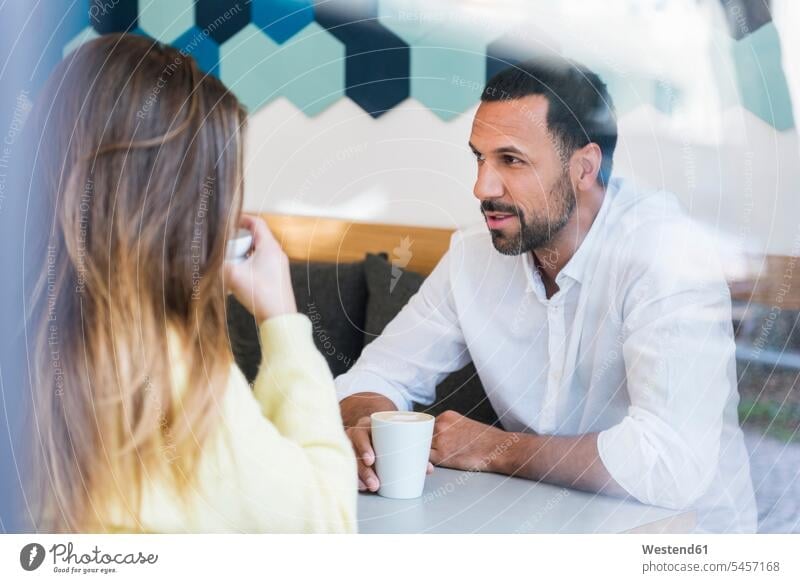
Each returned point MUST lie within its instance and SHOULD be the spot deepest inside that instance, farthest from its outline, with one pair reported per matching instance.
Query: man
(601, 330)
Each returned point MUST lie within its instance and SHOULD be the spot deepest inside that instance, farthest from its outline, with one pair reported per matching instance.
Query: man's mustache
(499, 207)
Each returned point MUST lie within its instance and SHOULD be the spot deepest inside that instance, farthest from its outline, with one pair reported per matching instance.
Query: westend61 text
(675, 550)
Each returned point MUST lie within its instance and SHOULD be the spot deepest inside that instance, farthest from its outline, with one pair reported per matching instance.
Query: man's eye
(511, 160)
(478, 157)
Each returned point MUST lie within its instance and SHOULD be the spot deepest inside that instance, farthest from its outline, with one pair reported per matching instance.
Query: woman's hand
(261, 282)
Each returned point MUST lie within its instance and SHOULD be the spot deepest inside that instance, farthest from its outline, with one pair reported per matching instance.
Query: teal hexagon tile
(411, 20)
(448, 79)
(83, 36)
(55, 29)
(629, 91)
(312, 70)
(201, 47)
(723, 68)
(282, 19)
(666, 96)
(762, 83)
(249, 65)
(71, 20)
(166, 21)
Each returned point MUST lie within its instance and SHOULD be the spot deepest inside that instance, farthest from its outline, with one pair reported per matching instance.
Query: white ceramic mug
(402, 444)
(237, 247)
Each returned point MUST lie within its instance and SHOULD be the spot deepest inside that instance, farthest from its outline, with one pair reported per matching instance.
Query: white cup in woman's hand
(238, 247)
(261, 282)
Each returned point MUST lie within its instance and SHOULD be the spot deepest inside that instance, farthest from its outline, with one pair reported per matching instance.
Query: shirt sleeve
(679, 358)
(282, 462)
(417, 349)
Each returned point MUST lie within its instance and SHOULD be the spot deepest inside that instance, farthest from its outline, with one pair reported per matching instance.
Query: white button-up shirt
(636, 345)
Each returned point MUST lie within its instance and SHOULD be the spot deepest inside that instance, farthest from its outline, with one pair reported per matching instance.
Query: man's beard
(538, 231)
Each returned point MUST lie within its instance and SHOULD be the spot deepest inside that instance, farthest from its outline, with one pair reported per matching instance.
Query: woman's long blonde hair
(139, 158)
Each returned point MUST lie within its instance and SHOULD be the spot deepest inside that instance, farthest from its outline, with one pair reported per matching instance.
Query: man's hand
(361, 438)
(572, 461)
(464, 444)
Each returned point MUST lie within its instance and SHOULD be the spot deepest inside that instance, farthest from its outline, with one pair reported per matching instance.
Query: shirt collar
(575, 269)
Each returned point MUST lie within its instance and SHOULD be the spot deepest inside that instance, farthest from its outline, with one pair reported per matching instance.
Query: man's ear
(586, 165)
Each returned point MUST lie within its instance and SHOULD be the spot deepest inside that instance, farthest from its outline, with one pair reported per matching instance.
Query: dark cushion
(387, 293)
(333, 296)
(389, 289)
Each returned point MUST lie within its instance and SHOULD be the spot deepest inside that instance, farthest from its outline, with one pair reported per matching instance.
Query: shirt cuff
(613, 452)
(354, 382)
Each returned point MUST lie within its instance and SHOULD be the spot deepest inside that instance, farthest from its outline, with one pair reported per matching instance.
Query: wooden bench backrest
(341, 241)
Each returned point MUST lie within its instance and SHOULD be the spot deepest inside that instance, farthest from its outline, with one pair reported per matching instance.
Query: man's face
(523, 184)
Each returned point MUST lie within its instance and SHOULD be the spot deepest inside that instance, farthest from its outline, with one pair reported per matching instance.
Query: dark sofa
(349, 305)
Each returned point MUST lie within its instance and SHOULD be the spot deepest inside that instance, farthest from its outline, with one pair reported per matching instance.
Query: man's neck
(552, 258)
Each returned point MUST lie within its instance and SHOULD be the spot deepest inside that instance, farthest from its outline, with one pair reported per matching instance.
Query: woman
(142, 420)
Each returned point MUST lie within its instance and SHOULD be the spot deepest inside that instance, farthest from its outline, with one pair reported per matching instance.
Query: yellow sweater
(279, 460)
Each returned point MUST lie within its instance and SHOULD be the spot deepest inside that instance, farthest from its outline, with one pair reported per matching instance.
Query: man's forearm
(361, 405)
(572, 461)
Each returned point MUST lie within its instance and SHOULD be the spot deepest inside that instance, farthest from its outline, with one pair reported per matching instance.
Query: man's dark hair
(579, 110)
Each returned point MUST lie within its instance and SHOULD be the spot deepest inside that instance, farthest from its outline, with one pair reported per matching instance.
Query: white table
(465, 502)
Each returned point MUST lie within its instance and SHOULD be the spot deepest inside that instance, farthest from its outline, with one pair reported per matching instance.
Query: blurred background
(362, 110)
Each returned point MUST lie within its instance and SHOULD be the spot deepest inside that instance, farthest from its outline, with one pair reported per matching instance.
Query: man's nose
(489, 183)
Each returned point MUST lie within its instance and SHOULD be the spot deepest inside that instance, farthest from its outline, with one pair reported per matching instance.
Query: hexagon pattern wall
(108, 17)
(166, 21)
(762, 85)
(377, 53)
(447, 66)
(201, 46)
(280, 19)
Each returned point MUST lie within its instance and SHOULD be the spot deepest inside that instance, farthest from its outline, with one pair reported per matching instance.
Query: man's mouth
(498, 220)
